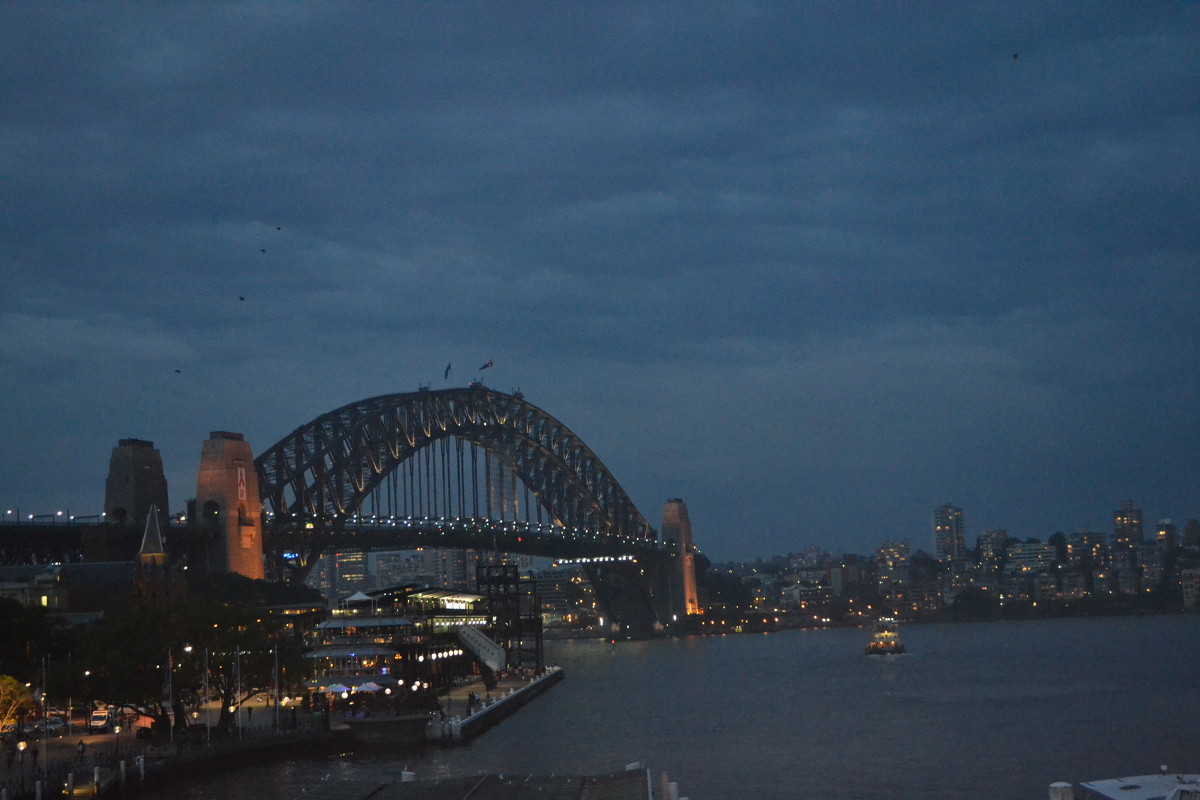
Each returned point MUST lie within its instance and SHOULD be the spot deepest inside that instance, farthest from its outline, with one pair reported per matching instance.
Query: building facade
(949, 534)
(1127, 525)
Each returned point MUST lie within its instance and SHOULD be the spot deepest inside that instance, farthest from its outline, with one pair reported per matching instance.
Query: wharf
(456, 721)
(509, 695)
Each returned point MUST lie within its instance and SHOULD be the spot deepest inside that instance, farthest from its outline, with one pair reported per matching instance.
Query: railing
(457, 730)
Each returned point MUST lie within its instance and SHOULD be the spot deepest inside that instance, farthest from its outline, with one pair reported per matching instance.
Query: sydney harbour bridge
(465, 468)
(460, 468)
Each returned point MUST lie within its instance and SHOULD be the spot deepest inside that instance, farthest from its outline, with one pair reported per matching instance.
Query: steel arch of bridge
(328, 467)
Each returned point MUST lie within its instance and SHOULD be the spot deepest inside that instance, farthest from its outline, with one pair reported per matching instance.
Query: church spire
(152, 552)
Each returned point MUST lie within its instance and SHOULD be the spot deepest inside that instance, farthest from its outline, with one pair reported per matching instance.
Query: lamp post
(275, 686)
(207, 703)
(187, 652)
(45, 701)
(13, 512)
(169, 698)
(238, 692)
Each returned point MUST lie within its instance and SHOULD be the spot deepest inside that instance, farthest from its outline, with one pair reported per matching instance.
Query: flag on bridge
(485, 366)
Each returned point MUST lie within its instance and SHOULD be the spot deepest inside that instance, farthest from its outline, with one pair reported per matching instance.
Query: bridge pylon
(678, 528)
(228, 505)
(135, 484)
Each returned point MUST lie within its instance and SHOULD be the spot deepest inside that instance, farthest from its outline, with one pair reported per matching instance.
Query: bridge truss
(459, 467)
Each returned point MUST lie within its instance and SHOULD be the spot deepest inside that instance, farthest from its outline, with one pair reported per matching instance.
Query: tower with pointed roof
(154, 579)
(152, 552)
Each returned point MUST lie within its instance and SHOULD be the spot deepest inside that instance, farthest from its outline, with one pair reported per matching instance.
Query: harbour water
(982, 711)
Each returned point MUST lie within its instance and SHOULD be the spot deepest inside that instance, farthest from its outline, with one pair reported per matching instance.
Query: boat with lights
(885, 639)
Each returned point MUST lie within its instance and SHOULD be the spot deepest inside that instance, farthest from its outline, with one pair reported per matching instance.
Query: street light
(13, 512)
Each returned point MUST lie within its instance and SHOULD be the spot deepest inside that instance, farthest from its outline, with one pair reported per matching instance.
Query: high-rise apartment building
(949, 535)
(1191, 533)
(1165, 534)
(1030, 556)
(989, 547)
(1087, 546)
(1127, 525)
(891, 561)
(349, 572)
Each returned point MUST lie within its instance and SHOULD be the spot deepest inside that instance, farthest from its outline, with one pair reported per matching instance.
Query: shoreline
(759, 624)
(160, 768)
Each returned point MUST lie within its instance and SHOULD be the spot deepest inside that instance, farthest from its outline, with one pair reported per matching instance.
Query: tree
(973, 603)
(128, 656)
(15, 699)
(22, 642)
(1059, 540)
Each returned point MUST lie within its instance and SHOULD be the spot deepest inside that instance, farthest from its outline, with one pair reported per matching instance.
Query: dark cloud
(815, 268)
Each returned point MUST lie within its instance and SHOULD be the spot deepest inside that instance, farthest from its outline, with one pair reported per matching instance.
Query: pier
(509, 695)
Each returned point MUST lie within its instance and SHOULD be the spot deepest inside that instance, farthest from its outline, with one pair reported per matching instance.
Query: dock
(508, 696)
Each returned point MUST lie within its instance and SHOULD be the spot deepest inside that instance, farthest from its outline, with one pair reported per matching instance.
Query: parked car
(55, 726)
(99, 720)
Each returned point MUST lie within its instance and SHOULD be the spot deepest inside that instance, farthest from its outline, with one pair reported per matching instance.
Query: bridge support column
(228, 504)
(677, 527)
(135, 484)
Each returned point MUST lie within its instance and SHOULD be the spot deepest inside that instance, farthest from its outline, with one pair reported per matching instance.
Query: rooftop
(632, 784)
(1163, 786)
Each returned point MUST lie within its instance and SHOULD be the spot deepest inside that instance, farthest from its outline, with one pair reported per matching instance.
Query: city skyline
(815, 269)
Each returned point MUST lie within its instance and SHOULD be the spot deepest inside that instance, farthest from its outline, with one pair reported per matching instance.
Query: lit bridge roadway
(289, 541)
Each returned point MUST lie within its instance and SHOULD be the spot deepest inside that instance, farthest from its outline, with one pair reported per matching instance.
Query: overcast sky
(815, 268)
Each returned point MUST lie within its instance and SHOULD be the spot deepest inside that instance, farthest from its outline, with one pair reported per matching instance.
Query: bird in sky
(488, 364)
(242, 297)
(178, 372)
(263, 250)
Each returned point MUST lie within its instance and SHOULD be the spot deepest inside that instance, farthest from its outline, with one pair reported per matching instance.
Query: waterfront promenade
(468, 714)
(106, 760)
(262, 731)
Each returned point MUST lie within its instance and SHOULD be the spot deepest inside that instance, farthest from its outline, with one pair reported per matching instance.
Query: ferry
(885, 639)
